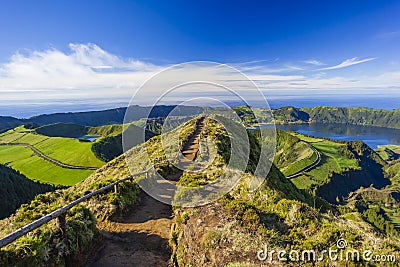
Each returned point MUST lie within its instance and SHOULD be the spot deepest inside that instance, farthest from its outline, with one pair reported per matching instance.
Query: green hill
(62, 130)
(389, 152)
(325, 114)
(112, 116)
(393, 172)
(360, 116)
(110, 147)
(74, 130)
(292, 154)
(369, 172)
(290, 115)
(228, 232)
(344, 166)
(7, 123)
(16, 189)
(15, 152)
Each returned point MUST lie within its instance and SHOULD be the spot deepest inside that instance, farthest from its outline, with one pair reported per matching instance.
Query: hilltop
(283, 115)
(228, 231)
(325, 114)
(345, 166)
(98, 118)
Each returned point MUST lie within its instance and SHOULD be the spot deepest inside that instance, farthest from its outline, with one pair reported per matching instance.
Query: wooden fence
(61, 212)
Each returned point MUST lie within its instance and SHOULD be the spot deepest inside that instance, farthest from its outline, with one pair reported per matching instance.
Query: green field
(66, 150)
(394, 216)
(388, 152)
(34, 167)
(70, 151)
(295, 157)
(331, 161)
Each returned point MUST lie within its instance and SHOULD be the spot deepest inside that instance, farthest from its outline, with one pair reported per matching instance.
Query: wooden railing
(61, 212)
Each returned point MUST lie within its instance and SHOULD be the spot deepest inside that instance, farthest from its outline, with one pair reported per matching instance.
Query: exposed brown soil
(191, 149)
(140, 238)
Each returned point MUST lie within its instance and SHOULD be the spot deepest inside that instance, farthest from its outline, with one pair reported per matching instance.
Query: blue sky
(67, 50)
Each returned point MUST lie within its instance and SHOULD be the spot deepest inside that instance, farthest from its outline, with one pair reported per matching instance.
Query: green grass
(70, 151)
(66, 150)
(38, 169)
(105, 130)
(331, 161)
(292, 154)
(31, 138)
(388, 152)
(7, 138)
(392, 147)
(394, 216)
(302, 182)
(302, 163)
(330, 149)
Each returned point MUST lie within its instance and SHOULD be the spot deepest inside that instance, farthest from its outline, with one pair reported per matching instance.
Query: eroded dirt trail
(192, 148)
(141, 237)
(138, 239)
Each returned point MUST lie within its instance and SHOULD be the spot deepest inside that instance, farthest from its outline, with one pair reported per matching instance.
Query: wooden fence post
(62, 222)
(116, 189)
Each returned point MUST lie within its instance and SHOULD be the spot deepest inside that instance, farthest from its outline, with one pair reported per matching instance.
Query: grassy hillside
(361, 116)
(74, 130)
(379, 207)
(7, 123)
(66, 150)
(62, 130)
(344, 166)
(389, 152)
(112, 116)
(46, 246)
(325, 114)
(292, 154)
(110, 147)
(38, 169)
(16, 189)
(333, 161)
(228, 232)
(393, 172)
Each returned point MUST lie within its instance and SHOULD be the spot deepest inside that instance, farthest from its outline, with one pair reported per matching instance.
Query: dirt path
(141, 237)
(191, 150)
(138, 239)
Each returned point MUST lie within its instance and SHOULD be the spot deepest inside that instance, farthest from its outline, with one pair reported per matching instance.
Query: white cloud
(314, 62)
(349, 62)
(89, 72)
